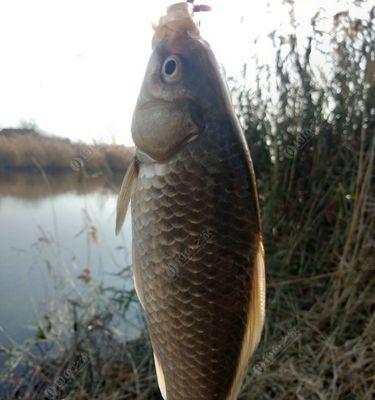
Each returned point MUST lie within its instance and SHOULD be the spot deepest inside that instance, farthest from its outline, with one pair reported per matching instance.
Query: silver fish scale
(196, 234)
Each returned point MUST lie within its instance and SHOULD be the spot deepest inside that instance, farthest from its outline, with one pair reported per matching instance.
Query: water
(58, 226)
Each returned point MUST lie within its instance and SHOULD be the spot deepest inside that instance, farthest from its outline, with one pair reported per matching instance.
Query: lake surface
(58, 225)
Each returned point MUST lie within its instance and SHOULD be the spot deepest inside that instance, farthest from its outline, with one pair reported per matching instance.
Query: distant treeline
(26, 149)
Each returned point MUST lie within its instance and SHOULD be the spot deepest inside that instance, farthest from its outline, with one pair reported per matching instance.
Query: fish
(197, 246)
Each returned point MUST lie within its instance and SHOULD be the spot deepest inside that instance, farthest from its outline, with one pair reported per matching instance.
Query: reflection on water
(60, 222)
(38, 186)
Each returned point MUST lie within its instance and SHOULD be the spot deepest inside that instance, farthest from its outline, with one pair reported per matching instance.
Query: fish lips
(161, 128)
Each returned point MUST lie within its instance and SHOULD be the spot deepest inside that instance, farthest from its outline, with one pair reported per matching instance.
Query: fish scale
(197, 316)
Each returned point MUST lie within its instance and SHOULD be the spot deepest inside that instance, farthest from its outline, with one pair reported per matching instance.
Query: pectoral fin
(125, 193)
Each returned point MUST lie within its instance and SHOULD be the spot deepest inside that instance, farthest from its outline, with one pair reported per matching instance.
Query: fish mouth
(147, 104)
(145, 158)
(161, 128)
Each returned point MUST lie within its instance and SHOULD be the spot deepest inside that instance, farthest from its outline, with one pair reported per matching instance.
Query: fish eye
(171, 69)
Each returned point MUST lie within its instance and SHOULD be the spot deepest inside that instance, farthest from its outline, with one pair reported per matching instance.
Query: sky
(75, 67)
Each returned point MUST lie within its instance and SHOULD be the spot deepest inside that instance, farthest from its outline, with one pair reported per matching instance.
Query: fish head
(182, 87)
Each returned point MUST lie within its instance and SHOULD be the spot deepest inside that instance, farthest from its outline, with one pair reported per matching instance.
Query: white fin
(161, 379)
(255, 320)
(137, 276)
(125, 194)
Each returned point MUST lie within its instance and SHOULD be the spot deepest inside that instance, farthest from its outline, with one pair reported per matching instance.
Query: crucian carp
(198, 257)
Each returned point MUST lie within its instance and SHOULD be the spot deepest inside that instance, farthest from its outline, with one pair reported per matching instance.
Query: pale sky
(74, 67)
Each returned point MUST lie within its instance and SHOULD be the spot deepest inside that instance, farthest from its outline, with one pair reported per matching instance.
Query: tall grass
(313, 145)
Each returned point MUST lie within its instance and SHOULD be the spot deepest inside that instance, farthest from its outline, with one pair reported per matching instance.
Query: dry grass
(25, 149)
(320, 330)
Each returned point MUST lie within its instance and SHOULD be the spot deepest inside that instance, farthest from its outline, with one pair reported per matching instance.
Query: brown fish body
(196, 235)
(197, 251)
